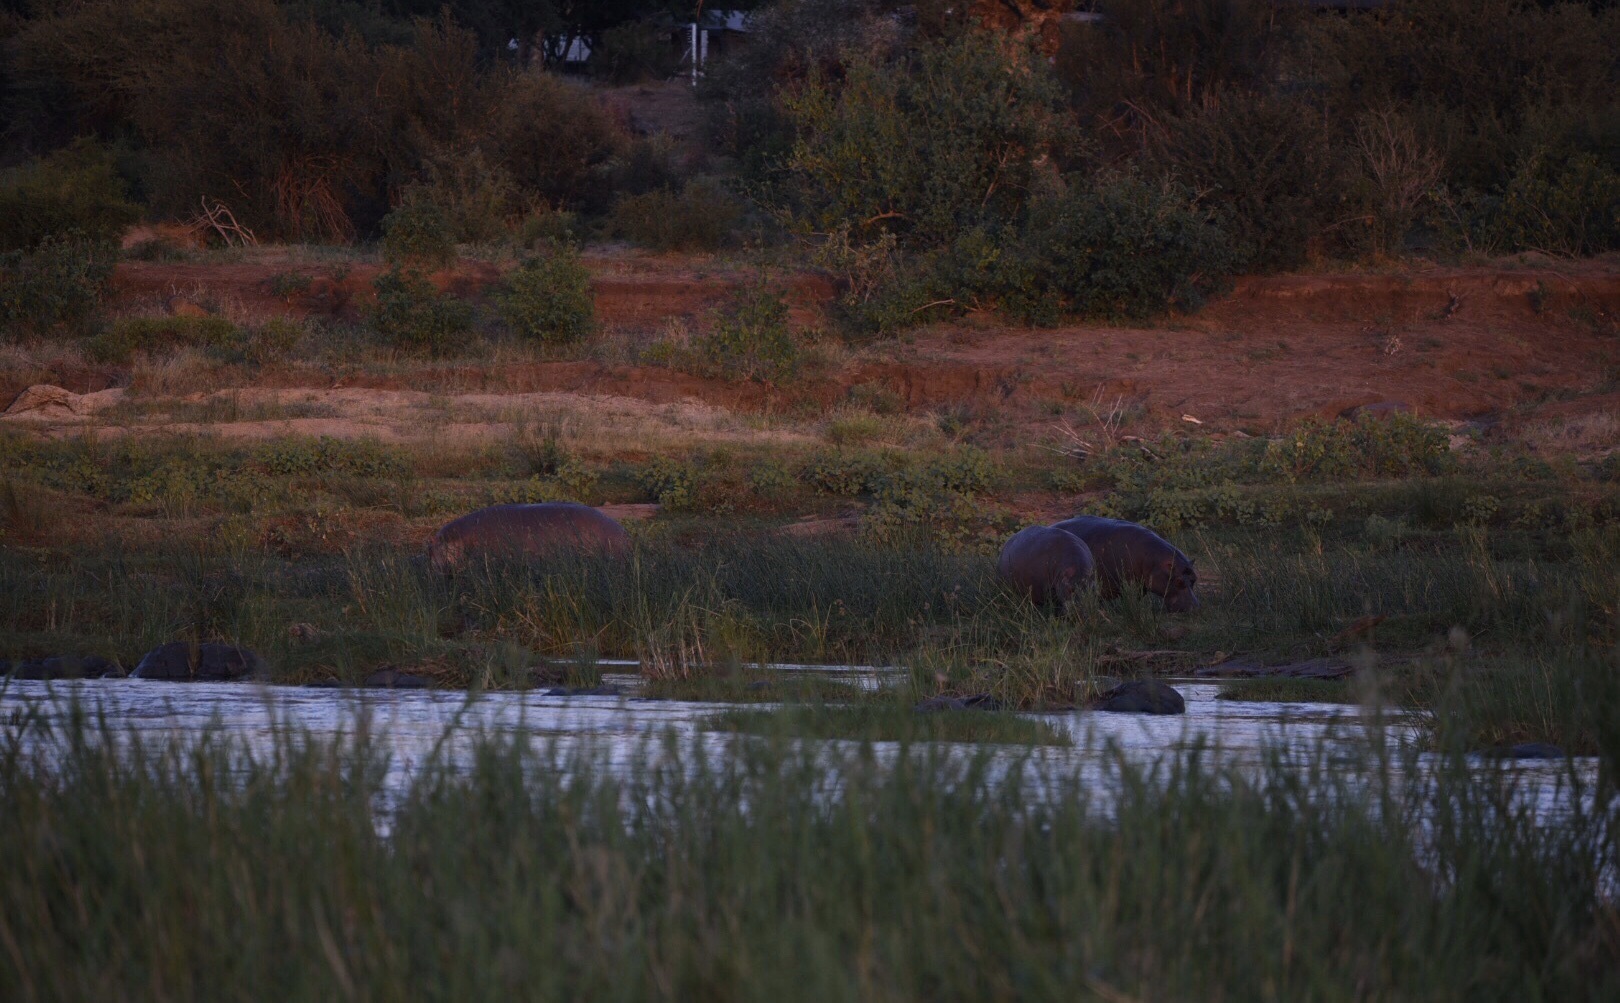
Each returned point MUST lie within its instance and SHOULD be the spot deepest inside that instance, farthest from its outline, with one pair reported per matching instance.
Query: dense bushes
(304, 133)
(975, 212)
(59, 222)
(75, 190)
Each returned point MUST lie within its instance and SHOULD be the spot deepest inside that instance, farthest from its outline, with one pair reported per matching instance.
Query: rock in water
(1141, 696)
(177, 661)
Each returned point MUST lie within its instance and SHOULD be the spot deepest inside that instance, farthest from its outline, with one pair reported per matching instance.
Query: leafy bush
(548, 297)
(1267, 165)
(669, 482)
(702, 216)
(843, 474)
(129, 335)
(477, 199)
(417, 234)
(1119, 247)
(1397, 445)
(414, 315)
(554, 139)
(751, 340)
(937, 142)
(1566, 204)
(53, 287)
(73, 191)
(1112, 247)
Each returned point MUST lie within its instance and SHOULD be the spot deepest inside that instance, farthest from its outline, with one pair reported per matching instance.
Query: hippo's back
(527, 531)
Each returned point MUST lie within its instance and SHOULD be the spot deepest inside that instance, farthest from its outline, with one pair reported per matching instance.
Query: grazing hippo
(1048, 565)
(1126, 552)
(525, 531)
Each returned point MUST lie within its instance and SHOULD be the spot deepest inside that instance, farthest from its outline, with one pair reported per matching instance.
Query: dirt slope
(1522, 348)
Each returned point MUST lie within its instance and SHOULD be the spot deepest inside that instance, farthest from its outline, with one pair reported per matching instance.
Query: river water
(618, 733)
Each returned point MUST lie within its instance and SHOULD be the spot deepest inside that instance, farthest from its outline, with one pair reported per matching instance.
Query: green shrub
(418, 234)
(670, 482)
(702, 216)
(414, 315)
(843, 474)
(53, 287)
(1567, 204)
(554, 139)
(772, 481)
(1267, 166)
(541, 224)
(1392, 446)
(75, 191)
(924, 146)
(1114, 247)
(548, 297)
(476, 198)
(751, 340)
(129, 335)
(273, 340)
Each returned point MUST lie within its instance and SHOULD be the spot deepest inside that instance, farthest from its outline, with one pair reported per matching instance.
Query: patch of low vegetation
(309, 852)
(701, 216)
(756, 686)
(889, 722)
(1339, 691)
(129, 335)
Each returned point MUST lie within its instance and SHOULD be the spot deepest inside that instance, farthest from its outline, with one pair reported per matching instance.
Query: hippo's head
(1179, 580)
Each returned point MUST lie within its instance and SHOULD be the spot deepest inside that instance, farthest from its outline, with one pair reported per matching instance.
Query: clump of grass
(754, 687)
(751, 874)
(890, 722)
(1290, 691)
(130, 335)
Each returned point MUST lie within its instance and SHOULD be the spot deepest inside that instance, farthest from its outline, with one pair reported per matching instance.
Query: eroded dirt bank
(1510, 347)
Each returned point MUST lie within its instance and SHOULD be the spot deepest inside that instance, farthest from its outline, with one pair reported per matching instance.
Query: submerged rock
(1141, 696)
(584, 691)
(178, 661)
(1525, 750)
(390, 678)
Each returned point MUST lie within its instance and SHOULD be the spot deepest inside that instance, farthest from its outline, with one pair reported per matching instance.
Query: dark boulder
(1525, 750)
(584, 691)
(179, 661)
(390, 678)
(1141, 696)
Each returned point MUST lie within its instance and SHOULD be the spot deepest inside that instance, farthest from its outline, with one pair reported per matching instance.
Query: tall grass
(194, 869)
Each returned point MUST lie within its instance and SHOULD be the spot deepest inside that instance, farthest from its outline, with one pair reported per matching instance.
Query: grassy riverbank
(193, 871)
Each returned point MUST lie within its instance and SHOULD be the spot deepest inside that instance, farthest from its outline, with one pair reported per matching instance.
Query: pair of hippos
(1049, 564)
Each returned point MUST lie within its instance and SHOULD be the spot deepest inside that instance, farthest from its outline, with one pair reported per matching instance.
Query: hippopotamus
(525, 531)
(1126, 552)
(1048, 565)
